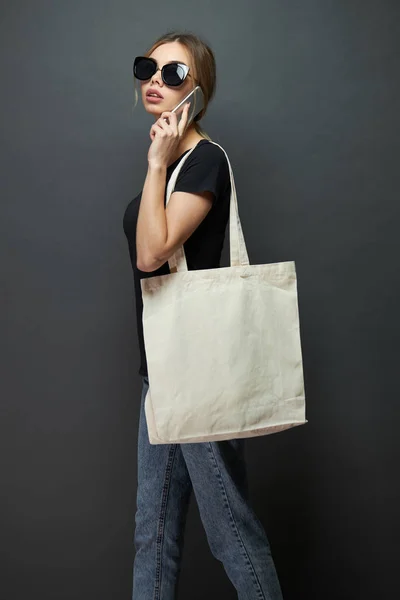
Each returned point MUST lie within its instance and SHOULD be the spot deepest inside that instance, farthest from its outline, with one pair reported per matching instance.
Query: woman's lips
(154, 99)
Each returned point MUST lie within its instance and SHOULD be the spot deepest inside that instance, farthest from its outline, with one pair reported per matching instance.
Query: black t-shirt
(206, 169)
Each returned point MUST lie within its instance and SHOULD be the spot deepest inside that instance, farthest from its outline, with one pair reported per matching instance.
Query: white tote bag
(222, 346)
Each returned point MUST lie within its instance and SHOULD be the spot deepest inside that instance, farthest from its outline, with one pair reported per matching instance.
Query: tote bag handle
(238, 252)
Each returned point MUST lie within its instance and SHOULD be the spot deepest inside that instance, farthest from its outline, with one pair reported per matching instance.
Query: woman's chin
(154, 110)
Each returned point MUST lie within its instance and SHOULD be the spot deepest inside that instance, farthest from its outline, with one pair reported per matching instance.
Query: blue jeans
(216, 472)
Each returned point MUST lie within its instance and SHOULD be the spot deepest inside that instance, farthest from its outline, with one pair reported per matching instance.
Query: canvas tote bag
(222, 345)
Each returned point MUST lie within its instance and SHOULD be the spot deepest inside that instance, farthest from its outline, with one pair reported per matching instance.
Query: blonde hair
(204, 67)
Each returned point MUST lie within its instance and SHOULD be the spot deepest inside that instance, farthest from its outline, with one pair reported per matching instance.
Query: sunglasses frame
(185, 68)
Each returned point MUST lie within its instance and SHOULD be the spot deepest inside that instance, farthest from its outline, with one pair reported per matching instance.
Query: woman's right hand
(166, 133)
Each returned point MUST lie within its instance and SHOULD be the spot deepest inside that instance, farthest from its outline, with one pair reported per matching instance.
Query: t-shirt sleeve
(206, 169)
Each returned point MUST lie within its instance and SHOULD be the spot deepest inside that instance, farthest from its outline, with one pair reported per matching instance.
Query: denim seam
(235, 527)
(161, 521)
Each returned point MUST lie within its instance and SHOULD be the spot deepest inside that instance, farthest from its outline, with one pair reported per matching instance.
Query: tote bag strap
(238, 252)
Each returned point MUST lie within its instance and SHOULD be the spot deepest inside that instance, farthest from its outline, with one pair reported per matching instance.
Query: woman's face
(171, 96)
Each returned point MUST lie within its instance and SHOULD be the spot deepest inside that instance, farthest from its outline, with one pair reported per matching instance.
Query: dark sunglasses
(172, 74)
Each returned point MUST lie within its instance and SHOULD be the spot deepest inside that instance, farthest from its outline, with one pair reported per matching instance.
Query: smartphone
(196, 99)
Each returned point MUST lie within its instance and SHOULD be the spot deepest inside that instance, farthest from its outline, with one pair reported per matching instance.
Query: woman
(196, 216)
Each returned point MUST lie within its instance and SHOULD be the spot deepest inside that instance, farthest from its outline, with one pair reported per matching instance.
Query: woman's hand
(166, 134)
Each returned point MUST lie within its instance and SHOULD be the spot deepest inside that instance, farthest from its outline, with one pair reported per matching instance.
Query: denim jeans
(216, 472)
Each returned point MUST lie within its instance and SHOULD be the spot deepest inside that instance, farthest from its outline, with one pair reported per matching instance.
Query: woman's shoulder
(206, 168)
(209, 152)
(209, 147)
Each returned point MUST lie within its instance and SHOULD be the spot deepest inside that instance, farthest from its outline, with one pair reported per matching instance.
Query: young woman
(196, 217)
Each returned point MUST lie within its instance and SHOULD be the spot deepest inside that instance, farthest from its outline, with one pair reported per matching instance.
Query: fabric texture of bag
(223, 345)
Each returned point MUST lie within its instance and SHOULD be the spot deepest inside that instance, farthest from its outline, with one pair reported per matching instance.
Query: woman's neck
(190, 139)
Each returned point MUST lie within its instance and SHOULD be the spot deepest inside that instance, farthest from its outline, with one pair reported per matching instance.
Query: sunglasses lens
(144, 68)
(174, 74)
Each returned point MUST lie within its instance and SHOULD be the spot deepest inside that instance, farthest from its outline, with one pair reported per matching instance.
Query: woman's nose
(157, 77)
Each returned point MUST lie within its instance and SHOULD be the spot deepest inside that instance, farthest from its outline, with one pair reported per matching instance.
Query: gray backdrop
(307, 108)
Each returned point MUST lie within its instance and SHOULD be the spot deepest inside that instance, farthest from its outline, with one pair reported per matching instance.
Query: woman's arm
(161, 231)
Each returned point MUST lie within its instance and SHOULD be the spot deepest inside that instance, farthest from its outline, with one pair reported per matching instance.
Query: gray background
(307, 109)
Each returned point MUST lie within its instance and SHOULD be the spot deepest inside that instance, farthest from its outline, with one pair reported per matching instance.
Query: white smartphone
(196, 99)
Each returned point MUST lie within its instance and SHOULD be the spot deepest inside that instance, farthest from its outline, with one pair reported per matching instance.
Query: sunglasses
(172, 74)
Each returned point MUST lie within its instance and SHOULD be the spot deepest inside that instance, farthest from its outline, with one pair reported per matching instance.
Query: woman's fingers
(169, 117)
(162, 128)
(156, 129)
(168, 124)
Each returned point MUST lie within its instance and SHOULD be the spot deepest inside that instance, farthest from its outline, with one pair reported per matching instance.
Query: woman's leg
(163, 495)
(235, 534)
